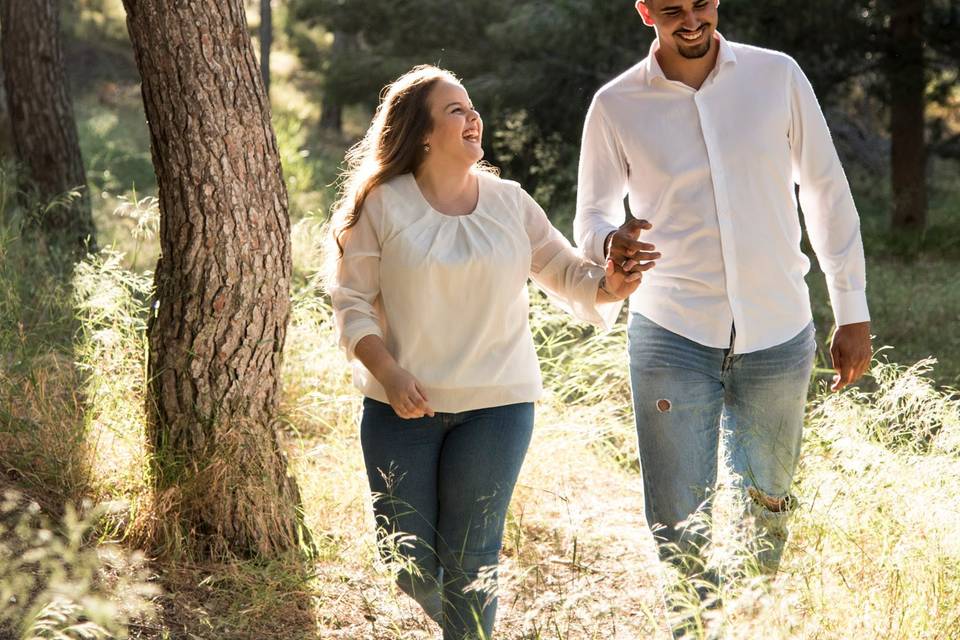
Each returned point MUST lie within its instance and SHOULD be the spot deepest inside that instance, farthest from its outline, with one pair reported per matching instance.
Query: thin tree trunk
(41, 115)
(6, 139)
(906, 73)
(266, 42)
(222, 282)
(331, 111)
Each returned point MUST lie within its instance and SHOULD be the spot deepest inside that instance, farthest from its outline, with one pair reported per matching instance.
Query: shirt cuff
(357, 331)
(585, 306)
(849, 307)
(599, 240)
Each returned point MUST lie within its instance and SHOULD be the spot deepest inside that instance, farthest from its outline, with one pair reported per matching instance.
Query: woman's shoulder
(392, 187)
(390, 198)
(492, 179)
(509, 192)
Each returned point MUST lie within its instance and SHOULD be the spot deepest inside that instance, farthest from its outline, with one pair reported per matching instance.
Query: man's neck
(692, 72)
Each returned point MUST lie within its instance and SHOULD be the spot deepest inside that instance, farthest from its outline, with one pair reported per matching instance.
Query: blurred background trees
(40, 111)
(885, 71)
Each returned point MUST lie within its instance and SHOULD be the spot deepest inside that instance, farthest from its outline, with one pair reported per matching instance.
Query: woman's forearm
(372, 352)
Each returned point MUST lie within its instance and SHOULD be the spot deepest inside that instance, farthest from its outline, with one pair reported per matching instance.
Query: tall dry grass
(63, 574)
(875, 548)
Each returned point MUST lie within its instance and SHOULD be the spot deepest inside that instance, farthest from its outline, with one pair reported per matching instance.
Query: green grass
(913, 306)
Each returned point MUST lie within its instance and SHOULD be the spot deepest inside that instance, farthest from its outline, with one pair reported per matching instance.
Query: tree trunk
(222, 283)
(266, 42)
(906, 74)
(331, 111)
(44, 133)
(6, 140)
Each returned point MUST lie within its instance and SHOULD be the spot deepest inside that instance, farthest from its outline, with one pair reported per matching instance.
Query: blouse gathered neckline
(432, 209)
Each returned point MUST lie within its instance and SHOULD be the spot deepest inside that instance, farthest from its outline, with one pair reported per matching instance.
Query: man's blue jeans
(686, 397)
(447, 480)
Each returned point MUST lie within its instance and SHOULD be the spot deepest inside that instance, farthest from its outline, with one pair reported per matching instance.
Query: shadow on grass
(249, 600)
(42, 419)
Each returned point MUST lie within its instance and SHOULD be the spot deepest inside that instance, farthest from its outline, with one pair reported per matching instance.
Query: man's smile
(691, 36)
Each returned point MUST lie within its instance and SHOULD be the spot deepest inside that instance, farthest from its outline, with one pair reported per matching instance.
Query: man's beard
(695, 51)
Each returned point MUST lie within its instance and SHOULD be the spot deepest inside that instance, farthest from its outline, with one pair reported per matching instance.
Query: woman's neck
(450, 190)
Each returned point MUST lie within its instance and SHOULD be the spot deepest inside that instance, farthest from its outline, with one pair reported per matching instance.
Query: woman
(432, 255)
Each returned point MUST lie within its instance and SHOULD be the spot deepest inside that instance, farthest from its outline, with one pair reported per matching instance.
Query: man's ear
(644, 12)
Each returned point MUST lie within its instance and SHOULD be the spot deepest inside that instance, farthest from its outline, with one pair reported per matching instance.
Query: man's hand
(850, 351)
(629, 255)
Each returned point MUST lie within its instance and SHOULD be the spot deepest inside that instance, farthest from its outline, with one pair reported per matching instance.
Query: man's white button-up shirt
(714, 171)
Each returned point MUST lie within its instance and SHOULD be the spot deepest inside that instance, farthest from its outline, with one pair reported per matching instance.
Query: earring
(426, 148)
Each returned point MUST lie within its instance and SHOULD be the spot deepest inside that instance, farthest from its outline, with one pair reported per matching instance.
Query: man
(708, 139)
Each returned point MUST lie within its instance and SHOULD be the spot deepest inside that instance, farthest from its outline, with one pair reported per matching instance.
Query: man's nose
(690, 20)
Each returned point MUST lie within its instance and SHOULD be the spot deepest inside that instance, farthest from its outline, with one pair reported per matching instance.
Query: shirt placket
(721, 196)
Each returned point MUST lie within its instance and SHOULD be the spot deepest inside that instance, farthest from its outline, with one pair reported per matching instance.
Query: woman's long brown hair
(392, 146)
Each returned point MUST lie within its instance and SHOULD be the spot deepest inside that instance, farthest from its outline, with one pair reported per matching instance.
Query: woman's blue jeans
(447, 481)
(686, 397)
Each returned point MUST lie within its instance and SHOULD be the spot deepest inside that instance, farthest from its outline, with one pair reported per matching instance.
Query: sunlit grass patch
(874, 549)
(41, 411)
(110, 352)
(55, 582)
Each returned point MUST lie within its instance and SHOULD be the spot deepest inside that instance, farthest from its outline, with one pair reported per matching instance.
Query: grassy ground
(875, 550)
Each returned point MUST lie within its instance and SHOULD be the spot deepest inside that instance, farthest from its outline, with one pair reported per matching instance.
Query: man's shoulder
(629, 81)
(754, 55)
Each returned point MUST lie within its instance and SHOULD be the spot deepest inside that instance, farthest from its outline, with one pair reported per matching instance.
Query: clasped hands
(626, 260)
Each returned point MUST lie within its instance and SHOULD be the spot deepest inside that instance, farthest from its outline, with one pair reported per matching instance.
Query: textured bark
(41, 115)
(222, 281)
(6, 140)
(266, 42)
(906, 73)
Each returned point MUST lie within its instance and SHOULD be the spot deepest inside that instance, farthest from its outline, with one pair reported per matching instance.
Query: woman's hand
(403, 391)
(620, 283)
(405, 394)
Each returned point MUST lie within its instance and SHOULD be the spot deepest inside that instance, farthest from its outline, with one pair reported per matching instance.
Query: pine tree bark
(6, 140)
(907, 81)
(266, 42)
(42, 126)
(222, 282)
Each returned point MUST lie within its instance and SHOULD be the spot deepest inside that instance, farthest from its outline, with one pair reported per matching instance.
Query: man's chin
(694, 53)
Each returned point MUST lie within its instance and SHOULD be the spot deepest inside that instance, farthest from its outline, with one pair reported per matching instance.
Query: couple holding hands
(433, 251)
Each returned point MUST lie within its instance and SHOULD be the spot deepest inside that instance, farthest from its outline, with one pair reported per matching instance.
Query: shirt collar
(724, 56)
